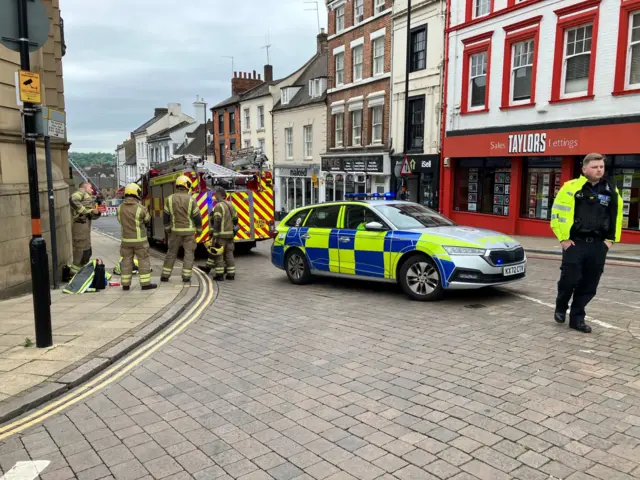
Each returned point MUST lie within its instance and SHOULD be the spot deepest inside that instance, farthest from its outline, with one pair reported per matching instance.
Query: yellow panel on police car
(369, 241)
(319, 238)
(347, 261)
(334, 260)
(389, 268)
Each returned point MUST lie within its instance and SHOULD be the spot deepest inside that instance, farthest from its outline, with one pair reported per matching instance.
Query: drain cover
(475, 305)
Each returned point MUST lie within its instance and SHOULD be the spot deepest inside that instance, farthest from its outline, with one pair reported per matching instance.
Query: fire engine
(249, 187)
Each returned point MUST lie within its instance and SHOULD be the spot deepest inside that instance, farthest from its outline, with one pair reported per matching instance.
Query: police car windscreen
(411, 216)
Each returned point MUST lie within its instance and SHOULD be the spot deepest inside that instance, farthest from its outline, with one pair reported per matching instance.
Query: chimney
(200, 111)
(243, 81)
(158, 112)
(323, 39)
(268, 73)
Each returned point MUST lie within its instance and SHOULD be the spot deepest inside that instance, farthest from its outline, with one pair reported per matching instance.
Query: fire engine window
(323, 217)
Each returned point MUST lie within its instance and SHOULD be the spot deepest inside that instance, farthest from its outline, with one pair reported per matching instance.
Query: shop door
(413, 184)
(429, 194)
(361, 251)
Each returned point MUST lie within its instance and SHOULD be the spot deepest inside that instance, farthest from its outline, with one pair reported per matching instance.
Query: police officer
(134, 218)
(587, 219)
(182, 222)
(82, 213)
(225, 220)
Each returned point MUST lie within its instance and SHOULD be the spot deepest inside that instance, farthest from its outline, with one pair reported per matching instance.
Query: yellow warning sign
(30, 90)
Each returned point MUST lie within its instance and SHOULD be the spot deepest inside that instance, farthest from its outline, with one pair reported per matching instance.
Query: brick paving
(342, 381)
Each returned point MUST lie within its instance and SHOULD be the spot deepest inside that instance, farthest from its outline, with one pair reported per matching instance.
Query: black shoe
(560, 317)
(219, 278)
(581, 327)
(164, 279)
(186, 280)
(204, 268)
(151, 286)
(231, 276)
(126, 288)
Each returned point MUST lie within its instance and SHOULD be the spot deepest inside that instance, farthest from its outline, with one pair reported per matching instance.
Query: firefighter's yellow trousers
(81, 244)
(219, 262)
(141, 252)
(188, 243)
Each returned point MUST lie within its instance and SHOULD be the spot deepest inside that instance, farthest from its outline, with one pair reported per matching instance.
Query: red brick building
(358, 101)
(226, 114)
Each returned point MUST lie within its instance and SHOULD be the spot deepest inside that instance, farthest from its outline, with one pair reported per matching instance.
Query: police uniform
(588, 215)
(182, 222)
(134, 218)
(81, 211)
(224, 219)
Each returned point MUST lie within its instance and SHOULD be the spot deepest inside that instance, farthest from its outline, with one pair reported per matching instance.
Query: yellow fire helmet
(134, 190)
(183, 181)
(213, 249)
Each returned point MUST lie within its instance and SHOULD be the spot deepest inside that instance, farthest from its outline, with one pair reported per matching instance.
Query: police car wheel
(297, 267)
(420, 279)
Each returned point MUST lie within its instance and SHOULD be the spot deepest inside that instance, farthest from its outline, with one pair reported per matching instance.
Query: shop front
(296, 186)
(357, 173)
(422, 185)
(507, 181)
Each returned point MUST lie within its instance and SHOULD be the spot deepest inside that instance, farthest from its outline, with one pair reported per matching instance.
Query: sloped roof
(167, 131)
(131, 160)
(198, 144)
(318, 67)
(229, 101)
(148, 123)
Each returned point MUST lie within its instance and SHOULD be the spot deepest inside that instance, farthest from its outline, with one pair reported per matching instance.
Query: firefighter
(586, 216)
(223, 230)
(183, 223)
(82, 212)
(134, 218)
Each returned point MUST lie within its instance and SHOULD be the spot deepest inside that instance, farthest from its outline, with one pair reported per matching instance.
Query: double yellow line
(119, 369)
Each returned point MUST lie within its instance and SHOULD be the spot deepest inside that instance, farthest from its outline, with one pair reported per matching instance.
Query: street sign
(38, 24)
(56, 121)
(29, 86)
(405, 171)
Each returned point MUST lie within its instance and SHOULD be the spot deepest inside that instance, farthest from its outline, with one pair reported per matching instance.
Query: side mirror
(375, 227)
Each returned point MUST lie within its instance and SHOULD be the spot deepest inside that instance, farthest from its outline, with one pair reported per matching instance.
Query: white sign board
(56, 129)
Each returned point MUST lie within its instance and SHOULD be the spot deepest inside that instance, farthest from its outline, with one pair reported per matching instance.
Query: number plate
(513, 270)
(260, 223)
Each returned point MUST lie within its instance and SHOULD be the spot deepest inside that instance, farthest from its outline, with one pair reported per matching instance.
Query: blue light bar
(385, 196)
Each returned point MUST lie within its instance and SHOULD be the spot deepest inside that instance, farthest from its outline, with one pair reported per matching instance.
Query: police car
(375, 237)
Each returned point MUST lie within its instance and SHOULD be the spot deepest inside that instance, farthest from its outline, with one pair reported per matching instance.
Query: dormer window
(317, 87)
(284, 96)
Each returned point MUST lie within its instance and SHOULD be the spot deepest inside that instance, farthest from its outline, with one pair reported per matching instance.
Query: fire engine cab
(249, 189)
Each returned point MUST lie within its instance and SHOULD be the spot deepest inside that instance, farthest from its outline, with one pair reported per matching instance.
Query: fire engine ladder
(85, 177)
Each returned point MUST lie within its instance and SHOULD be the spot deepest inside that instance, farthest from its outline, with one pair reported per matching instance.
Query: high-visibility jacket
(182, 215)
(133, 218)
(224, 219)
(82, 205)
(564, 209)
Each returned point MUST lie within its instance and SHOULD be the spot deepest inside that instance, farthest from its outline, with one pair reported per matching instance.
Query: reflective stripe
(138, 220)
(562, 220)
(562, 208)
(570, 194)
(169, 206)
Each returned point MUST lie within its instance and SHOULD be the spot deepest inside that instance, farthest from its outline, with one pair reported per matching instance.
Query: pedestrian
(586, 216)
(183, 223)
(82, 213)
(223, 230)
(134, 218)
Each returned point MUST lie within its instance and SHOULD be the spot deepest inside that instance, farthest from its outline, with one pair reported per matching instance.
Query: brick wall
(227, 136)
(243, 81)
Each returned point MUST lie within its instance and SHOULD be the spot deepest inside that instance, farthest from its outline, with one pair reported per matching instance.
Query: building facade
(15, 266)
(357, 158)
(418, 133)
(226, 114)
(300, 135)
(124, 151)
(532, 87)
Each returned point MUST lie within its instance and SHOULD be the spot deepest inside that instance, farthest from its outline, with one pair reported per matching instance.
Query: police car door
(320, 238)
(361, 250)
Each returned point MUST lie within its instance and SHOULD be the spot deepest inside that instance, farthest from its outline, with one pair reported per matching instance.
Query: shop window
(542, 181)
(627, 77)
(575, 59)
(521, 55)
(476, 69)
(329, 188)
(626, 176)
(339, 188)
(356, 215)
(483, 185)
(323, 217)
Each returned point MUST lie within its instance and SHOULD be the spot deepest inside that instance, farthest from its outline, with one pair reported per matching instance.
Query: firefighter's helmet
(214, 250)
(134, 190)
(184, 182)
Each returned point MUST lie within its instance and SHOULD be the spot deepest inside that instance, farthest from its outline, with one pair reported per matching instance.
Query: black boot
(580, 326)
(186, 280)
(231, 276)
(164, 279)
(560, 317)
(205, 269)
(126, 288)
(219, 278)
(151, 286)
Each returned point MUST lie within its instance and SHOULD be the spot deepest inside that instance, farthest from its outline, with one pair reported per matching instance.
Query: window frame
(261, 145)
(417, 98)
(321, 208)
(353, 126)
(519, 32)
(413, 52)
(472, 46)
(232, 123)
(247, 144)
(374, 109)
(621, 81)
(573, 16)
(369, 210)
(221, 124)
(288, 143)
(339, 56)
(260, 116)
(247, 119)
(340, 9)
(307, 130)
(471, 8)
(357, 4)
(357, 49)
(379, 6)
(341, 130)
(380, 59)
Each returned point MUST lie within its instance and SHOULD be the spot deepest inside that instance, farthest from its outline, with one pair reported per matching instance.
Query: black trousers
(581, 269)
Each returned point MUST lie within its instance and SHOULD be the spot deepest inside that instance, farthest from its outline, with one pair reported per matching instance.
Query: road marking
(26, 470)
(540, 302)
(119, 369)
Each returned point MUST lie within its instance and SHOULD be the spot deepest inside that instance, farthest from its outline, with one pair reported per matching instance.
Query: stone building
(15, 269)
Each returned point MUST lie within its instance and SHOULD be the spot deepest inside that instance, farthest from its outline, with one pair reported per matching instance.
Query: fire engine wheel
(297, 267)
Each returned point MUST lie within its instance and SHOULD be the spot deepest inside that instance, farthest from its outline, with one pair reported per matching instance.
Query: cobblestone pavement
(345, 381)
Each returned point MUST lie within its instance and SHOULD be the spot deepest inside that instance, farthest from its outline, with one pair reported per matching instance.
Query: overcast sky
(126, 57)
